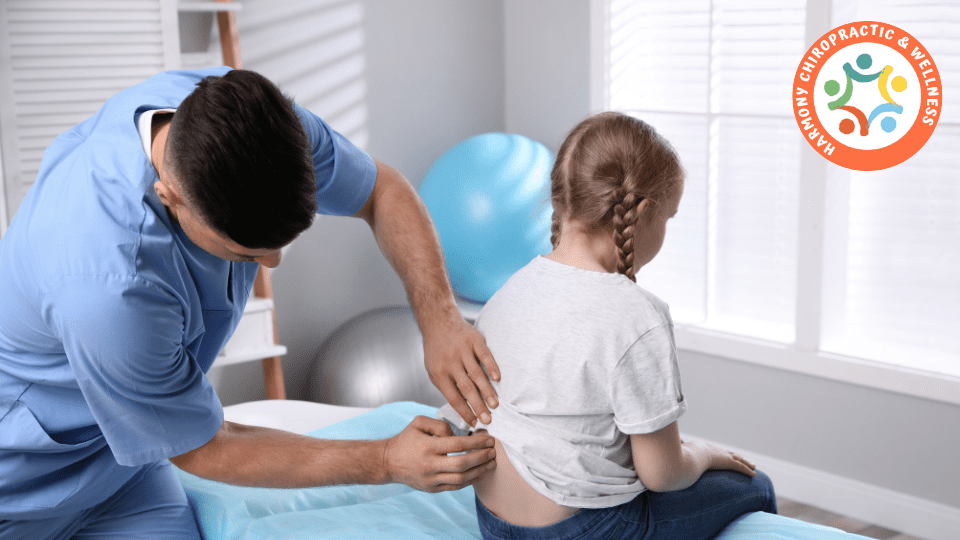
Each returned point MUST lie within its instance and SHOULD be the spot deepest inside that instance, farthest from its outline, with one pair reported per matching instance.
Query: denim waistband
(575, 526)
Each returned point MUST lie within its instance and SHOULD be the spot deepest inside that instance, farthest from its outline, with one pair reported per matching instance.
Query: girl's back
(584, 356)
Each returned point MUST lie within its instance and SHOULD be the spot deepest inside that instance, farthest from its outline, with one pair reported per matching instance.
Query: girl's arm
(665, 463)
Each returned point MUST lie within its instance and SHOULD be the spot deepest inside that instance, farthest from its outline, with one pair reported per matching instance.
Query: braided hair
(607, 165)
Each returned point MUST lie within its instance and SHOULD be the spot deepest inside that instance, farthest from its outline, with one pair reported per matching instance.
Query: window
(777, 255)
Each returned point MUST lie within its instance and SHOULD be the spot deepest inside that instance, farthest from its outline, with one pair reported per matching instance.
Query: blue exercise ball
(489, 198)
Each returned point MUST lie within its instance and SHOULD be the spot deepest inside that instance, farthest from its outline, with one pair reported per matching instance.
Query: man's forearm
(262, 457)
(406, 236)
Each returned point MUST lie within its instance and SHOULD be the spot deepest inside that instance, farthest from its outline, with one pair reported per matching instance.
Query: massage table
(379, 512)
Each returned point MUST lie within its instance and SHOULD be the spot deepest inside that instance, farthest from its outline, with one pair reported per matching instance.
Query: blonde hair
(605, 167)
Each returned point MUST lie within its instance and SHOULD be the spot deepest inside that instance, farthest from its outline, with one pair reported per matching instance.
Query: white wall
(406, 80)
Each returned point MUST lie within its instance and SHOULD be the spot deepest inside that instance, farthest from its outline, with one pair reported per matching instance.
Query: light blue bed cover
(392, 511)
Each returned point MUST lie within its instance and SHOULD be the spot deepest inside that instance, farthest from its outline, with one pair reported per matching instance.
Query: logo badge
(867, 96)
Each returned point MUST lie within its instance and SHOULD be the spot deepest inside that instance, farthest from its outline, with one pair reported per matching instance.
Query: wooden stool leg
(272, 367)
(229, 37)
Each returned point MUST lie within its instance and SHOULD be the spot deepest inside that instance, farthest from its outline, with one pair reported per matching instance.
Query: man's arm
(453, 349)
(417, 456)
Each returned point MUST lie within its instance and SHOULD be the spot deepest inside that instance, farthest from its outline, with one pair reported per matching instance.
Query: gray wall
(547, 66)
(898, 442)
(438, 72)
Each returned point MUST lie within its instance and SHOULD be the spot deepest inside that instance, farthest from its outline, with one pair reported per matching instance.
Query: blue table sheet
(392, 511)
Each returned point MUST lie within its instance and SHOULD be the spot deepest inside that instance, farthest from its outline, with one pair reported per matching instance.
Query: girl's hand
(725, 460)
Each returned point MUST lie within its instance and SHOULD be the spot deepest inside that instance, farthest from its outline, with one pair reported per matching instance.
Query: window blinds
(712, 77)
(893, 236)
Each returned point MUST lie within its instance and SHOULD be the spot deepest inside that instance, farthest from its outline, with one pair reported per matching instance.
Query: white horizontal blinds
(897, 272)
(659, 55)
(903, 260)
(755, 162)
(61, 59)
(755, 243)
(756, 45)
(659, 62)
(678, 273)
(712, 76)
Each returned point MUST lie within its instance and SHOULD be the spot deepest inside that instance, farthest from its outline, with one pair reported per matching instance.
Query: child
(586, 429)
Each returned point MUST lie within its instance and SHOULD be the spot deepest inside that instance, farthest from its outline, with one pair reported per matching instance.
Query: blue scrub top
(110, 316)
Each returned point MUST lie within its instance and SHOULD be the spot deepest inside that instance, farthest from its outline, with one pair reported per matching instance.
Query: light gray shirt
(587, 358)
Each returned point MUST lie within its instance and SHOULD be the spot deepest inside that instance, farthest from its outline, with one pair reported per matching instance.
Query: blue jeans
(698, 512)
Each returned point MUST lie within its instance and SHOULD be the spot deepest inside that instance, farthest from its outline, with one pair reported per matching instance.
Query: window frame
(804, 355)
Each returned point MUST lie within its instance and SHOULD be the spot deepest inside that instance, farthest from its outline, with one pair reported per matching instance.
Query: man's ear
(169, 195)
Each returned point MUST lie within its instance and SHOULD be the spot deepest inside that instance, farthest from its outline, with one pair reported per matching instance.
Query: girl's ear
(642, 207)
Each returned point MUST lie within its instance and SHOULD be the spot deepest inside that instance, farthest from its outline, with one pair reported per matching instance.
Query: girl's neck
(585, 248)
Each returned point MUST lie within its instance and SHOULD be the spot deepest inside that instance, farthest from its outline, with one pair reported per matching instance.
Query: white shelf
(253, 338)
(248, 355)
(208, 6)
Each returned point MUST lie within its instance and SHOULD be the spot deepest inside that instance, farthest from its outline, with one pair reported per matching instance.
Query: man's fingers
(432, 426)
(468, 388)
(453, 481)
(455, 445)
(464, 462)
(487, 361)
(479, 377)
(451, 391)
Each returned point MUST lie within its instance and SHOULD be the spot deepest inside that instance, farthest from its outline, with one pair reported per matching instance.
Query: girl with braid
(587, 438)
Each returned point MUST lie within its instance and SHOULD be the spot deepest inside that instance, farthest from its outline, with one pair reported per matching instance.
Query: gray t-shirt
(587, 358)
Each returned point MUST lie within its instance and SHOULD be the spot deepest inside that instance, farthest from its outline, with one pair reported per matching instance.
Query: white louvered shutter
(60, 60)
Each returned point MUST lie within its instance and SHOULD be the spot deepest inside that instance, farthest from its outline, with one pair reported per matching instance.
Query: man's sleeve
(645, 385)
(345, 174)
(124, 339)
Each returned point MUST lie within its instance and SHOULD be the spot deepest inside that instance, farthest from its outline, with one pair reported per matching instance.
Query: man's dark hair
(243, 160)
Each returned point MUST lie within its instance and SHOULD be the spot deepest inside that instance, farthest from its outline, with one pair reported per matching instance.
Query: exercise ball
(373, 359)
(489, 198)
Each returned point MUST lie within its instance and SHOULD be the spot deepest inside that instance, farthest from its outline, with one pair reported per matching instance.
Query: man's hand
(418, 457)
(453, 355)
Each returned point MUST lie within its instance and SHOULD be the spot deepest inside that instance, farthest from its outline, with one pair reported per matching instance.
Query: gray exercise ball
(373, 359)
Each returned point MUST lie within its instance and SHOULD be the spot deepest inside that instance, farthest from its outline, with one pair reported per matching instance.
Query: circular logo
(867, 96)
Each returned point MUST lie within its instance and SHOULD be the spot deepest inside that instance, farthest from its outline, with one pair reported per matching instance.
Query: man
(126, 269)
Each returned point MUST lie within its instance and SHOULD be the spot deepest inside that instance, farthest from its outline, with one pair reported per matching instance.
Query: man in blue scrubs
(128, 266)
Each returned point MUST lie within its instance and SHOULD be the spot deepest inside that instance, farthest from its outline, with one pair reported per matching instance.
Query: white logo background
(866, 95)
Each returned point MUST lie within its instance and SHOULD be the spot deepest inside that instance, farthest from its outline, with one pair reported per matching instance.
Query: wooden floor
(812, 514)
